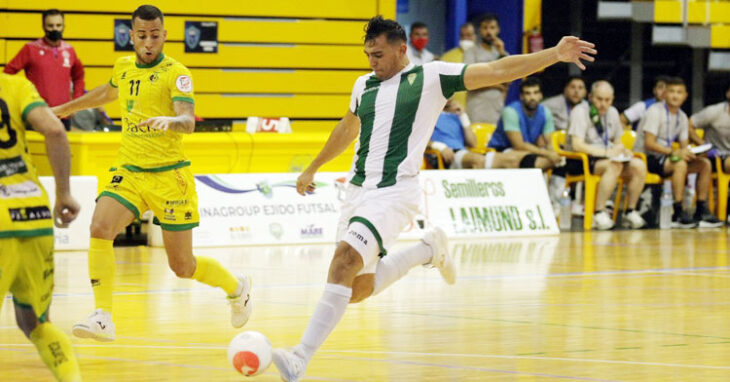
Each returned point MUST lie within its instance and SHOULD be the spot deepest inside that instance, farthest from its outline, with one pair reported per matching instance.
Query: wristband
(675, 158)
(439, 146)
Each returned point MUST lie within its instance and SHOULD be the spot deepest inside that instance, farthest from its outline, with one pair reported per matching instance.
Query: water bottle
(566, 212)
(666, 209)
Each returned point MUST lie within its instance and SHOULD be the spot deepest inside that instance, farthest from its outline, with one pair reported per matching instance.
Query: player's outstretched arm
(341, 137)
(98, 96)
(59, 156)
(183, 122)
(569, 49)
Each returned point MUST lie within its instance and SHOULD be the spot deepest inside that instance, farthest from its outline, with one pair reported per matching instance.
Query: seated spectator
(453, 137)
(663, 124)
(527, 126)
(635, 112)
(574, 94)
(596, 129)
(715, 120)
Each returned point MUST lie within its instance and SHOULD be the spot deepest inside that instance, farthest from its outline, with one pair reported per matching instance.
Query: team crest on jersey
(124, 75)
(411, 78)
(121, 34)
(184, 84)
(154, 77)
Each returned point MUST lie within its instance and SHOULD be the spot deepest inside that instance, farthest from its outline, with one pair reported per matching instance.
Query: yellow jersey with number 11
(147, 91)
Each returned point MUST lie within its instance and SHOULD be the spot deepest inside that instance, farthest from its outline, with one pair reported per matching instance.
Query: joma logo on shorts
(359, 237)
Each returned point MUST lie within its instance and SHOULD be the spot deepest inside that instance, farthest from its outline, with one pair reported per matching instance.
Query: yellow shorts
(26, 270)
(169, 194)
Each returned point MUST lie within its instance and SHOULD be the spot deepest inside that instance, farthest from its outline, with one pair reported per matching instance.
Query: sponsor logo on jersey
(184, 84)
(12, 166)
(27, 189)
(169, 214)
(25, 214)
(188, 215)
(117, 179)
(173, 203)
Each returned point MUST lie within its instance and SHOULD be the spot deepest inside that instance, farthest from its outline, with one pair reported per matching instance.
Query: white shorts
(372, 218)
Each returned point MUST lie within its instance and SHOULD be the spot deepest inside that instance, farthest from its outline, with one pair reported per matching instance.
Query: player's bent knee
(102, 230)
(26, 320)
(345, 264)
(183, 270)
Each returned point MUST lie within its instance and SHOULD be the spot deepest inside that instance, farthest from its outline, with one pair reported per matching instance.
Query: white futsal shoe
(290, 363)
(439, 243)
(98, 326)
(241, 306)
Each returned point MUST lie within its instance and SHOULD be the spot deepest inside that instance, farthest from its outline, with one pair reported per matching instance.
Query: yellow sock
(102, 266)
(55, 350)
(210, 271)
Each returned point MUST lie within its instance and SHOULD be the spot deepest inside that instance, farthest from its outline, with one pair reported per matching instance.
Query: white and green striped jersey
(397, 118)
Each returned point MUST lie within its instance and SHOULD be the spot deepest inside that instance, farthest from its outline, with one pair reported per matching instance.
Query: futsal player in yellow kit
(26, 221)
(155, 94)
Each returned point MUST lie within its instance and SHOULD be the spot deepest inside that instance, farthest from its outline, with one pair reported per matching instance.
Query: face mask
(420, 43)
(54, 35)
(466, 44)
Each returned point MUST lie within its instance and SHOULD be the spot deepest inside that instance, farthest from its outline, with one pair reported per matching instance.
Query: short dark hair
(574, 78)
(50, 12)
(674, 81)
(378, 26)
(418, 25)
(485, 17)
(661, 78)
(149, 13)
(530, 82)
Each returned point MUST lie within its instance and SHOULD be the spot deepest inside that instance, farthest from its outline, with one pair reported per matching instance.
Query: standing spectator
(418, 39)
(636, 111)
(574, 94)
(51, 64)
(467, 40)
(527, 126)
(596, 129)
(715, 119)
(663, 124)
(485, 105)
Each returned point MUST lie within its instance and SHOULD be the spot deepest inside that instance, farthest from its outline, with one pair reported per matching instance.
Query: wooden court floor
(613, 306)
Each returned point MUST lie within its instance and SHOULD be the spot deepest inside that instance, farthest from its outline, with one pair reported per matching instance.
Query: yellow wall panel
(667, 11)
(387, 8)
(101, 53)
(293, 152)
(720, 12)
(720, 36)
(2, 52)
(85, 26)
(350, 9)
(237, 107)
(256, 81)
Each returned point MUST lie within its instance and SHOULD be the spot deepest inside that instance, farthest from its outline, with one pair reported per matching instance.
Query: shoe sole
(711, 225)
(82, 331)
(684, 226)
(449, 277)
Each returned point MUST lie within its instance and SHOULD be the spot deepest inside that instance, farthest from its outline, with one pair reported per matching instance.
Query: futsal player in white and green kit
(393, 111)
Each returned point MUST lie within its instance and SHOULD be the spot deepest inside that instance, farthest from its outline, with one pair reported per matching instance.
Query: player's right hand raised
(65, 211)
(305, 183)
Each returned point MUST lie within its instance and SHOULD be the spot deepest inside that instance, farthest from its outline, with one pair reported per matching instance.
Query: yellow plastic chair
(484, 132)
(590, 180)
(723, 179)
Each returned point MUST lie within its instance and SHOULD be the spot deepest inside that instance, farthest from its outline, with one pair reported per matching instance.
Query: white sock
(330, 309)
(394, 266)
